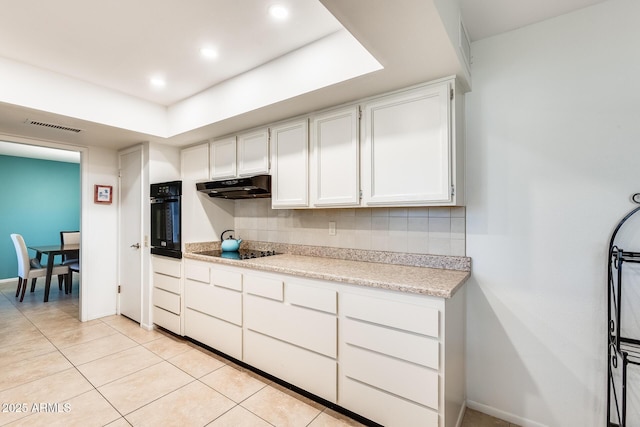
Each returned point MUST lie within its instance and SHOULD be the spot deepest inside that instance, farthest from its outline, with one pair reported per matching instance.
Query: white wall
(99, 235)
(553, 139)
(164, 163)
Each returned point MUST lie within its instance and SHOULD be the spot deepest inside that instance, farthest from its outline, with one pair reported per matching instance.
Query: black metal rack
(623, 351)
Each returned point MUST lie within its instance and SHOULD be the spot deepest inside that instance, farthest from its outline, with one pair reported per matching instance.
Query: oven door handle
(157, 201)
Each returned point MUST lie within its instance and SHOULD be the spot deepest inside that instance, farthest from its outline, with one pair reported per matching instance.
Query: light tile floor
(57, 370)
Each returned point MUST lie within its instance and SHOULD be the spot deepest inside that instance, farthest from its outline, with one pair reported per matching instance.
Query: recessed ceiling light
(158, 82)
(278, 11)
(209, 53)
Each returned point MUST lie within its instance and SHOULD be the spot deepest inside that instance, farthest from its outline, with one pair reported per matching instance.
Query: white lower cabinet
(213, 306)
(308, 370)
(291, 331)
(401, 357)
(392, 357)
(167, 293)
(389, 359)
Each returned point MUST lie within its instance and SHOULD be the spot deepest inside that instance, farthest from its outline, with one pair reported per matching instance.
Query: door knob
(137, 246)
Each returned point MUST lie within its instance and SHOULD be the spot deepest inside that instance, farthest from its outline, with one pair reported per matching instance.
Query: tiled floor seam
(249, 410)
(41, 378)
(154, 400)
(316, 417)
(173, 391)
(109, 382)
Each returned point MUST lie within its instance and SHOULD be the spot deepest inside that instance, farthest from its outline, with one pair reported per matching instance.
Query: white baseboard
(146, 326)
(463, 409)
(506, 416)
(11, 279)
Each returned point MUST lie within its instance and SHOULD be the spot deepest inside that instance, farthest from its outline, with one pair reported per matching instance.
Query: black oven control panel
(166, 189)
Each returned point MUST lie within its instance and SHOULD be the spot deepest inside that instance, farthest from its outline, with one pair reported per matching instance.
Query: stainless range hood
(251, 187)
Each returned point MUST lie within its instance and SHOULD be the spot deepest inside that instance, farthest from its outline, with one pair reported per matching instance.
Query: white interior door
(130, 233)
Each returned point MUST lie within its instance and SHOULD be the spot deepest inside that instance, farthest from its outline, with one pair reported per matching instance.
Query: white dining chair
(26, 271)
(72, 260)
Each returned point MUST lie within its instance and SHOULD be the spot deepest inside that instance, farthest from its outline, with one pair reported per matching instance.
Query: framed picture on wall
(102, 194)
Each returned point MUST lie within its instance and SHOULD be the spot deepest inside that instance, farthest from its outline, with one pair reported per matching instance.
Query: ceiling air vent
(52, 126)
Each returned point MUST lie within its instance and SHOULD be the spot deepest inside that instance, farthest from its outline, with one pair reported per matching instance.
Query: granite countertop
(438, 282)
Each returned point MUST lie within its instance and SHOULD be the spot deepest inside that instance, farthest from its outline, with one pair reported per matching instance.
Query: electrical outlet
(332, 228)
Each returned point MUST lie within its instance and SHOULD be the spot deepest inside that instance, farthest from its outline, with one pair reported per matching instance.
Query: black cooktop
(241, 254)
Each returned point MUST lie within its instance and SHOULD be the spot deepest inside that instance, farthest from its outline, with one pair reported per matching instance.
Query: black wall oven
(165, 219)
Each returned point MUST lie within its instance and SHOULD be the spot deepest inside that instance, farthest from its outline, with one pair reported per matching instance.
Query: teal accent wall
(38, 199)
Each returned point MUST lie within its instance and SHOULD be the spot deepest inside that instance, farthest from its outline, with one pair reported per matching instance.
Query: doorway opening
(43, 189)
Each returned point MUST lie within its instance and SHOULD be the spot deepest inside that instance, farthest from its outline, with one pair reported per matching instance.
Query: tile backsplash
(435, 231)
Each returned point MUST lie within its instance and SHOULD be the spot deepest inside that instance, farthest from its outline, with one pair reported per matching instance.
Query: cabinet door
(223, 158)
(253, 153)
(334, 158)
(166, 319)
(311, 371)
(214, 301)
(194, 165)
(196, 211)
(406, 152)
(289, 152)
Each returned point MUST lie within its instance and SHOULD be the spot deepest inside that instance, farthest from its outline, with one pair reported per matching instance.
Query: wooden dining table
(51, 251)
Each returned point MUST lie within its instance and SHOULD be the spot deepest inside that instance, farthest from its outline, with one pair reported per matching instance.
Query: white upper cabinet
(243, 155)
(223, 158)
(289, 159)
(408, 148)
(334, 169)
(194, 164)
(195, 214)
(404, 148)
(253, 152)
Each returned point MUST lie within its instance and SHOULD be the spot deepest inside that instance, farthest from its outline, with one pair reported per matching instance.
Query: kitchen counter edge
(410, 279)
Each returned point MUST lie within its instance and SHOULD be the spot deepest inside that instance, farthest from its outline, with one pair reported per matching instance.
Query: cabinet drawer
(310, 371)
(264, 287)
(218, 302)
(213, 332)
(397, 377)
(166, 300)
(402, 345)
(226, 279)
(166, 266)
(308, 329)
(168, 283)
(197, 272)
(311, 297)
(166, 319)
(409, 317)
(383, 408)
